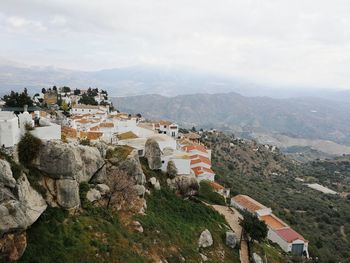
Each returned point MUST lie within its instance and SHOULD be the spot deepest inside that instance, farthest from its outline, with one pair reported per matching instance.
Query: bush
(85, 142)
(28, 148)
(207, 193)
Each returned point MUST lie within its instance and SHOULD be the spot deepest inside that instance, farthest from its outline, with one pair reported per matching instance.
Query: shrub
(28, 148)
(85, 142)
(171, 169)
(207, 193)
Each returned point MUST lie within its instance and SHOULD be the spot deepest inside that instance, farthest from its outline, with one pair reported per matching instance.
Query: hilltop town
(63, 117)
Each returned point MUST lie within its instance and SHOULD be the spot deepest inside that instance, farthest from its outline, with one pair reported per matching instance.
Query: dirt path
(232, 217)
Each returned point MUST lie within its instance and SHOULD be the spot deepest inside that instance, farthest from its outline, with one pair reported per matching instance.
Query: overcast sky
(294, 42)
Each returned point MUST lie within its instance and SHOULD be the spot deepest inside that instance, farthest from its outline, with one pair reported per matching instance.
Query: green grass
(58, 237)
(176, 223)
(208, 195)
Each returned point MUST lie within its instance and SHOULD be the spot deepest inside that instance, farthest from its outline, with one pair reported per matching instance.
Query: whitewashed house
(92, 109)
(9, 129)
(180, 159)
(167, 127)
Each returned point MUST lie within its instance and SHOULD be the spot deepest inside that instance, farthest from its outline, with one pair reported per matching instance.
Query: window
(163, 161)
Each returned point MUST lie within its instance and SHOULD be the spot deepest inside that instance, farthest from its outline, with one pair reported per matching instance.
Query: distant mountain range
(148, 79)
(318, 123)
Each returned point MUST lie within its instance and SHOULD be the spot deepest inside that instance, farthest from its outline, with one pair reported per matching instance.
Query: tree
(193, 129)
(88, 100)
(64, 107)
(28, 148)
(66, 89)
(256, 229)
(15, 99)
(121, 188)
(171, 169)
(43, 91)
(77, 92)
(54, 88)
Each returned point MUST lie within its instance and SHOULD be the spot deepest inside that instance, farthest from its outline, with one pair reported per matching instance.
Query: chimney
(25, 108)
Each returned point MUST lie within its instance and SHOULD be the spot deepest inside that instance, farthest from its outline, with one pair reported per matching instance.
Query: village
(87, 116)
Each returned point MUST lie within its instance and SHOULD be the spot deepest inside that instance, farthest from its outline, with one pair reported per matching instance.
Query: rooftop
(273, 222)
(248, 203)
(289, 235)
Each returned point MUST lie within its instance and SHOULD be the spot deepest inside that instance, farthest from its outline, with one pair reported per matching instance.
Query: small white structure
(167, 127)
(9, 129)
(322, 189)
(247, 203)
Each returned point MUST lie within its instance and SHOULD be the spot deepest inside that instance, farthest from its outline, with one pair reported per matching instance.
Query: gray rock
(19, 214)
(66, 161)
(133, 167)
(137, 226)
(205, 239)
(6, 177)
(231, 239)
(154, 183)
(153, 154)
(257, 258)
(184, 185)
(67, 193)
(93, 195)
(140, 190)
(103, 188)
(204, 257)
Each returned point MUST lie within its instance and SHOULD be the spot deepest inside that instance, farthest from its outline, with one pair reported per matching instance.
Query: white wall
(9, 132)
(182, 165)
(206, 176)
(52, 132)
(274, 237)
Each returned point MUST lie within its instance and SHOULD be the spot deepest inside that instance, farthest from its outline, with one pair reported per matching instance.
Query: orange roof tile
(273, 222)
(165, 122)
(248, 203)
(95, 128)
(289, 235)
(216, 185)
(107, 125)
(199, 170)
(197, 147)
(91, 135)
(69, 132)
(200, 159)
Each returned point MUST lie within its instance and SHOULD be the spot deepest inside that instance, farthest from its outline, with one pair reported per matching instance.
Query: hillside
(300, 118)
(322, 219)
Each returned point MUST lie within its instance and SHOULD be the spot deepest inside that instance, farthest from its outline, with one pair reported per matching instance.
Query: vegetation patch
(127, 135)
(28, 148)
(207, 194)
(121, 152)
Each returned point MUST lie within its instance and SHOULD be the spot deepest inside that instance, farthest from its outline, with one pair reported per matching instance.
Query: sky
(288, 42)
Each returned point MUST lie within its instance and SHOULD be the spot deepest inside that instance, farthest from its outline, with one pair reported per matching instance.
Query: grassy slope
(171, 228)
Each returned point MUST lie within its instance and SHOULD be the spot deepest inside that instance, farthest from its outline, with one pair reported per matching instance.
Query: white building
(92, 109)
(167, 127)
(278, 231)
(180, 159)
(9, 129)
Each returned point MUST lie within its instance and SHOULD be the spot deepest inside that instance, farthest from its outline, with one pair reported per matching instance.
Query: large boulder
(6, 177)
(18, 213)
(153, 154)
(231, 239)
(93, 195)
(67, 191)
(205, 239)
(133, 168)
(184, 185)
(257, 258)
(60, 160)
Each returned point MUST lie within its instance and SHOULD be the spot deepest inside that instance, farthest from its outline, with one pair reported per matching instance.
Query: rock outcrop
(18, 212)
(60, 160)
(153, 154)
(93, 195)
(6, 178)
(64, 167)
(184, 185)
(154, 183)
(205, 239)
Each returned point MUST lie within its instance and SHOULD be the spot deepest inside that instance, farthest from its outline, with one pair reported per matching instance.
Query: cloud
(279, 42)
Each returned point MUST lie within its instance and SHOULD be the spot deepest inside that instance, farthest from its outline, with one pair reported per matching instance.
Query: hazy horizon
(281, 43)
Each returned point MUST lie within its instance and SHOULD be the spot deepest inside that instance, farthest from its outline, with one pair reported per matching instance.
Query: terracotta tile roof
(95, 128)
(83, 121)
(201, 148)
(248, 203)
(289, 235)
(273, 222)
(76, 117)
(165, 122)
(107, 125)
(200, 159)
(91, 135)
(200, 170)
(216, 185)
(69, 132)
